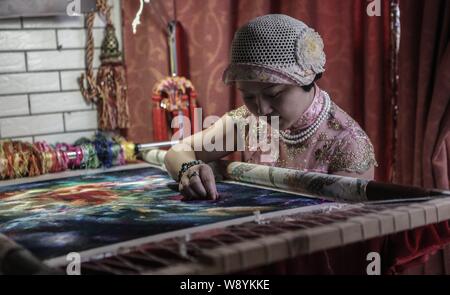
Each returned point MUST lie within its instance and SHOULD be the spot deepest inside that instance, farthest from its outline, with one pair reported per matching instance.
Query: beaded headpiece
(276, 48)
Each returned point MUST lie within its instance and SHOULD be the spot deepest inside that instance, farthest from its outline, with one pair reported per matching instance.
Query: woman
(275, 61)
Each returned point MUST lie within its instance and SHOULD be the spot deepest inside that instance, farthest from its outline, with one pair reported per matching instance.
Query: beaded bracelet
(185, 166)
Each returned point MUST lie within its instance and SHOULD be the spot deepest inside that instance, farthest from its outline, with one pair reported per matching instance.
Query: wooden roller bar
(334, 187)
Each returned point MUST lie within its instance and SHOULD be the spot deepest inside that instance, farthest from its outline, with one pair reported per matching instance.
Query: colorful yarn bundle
(128, 147)
(76, 161)
(89, 158)
(104, 150)
(53, 160)
(21, 159)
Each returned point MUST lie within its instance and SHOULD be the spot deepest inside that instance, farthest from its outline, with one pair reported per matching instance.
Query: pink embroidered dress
(338, 144)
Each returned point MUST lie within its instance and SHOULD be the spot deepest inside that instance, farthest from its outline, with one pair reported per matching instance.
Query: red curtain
(357, 69)
(424, 94)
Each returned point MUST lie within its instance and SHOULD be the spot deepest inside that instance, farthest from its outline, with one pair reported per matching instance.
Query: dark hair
(307, 88)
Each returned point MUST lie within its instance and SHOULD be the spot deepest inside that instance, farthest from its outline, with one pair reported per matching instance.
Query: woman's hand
(198, 183)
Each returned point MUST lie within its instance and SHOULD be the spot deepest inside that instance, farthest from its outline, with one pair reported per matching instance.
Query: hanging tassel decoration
(109, 89)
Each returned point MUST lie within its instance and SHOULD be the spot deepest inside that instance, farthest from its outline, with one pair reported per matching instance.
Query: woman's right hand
(198, 183)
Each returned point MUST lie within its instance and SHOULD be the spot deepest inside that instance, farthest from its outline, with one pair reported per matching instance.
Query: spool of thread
(118, 155)
(75, 162)
(90, 159)
(31, 158)
(128, 147)
(18, 159)
(104, 151)
(21, 159)
(109, 151)
(54, 160)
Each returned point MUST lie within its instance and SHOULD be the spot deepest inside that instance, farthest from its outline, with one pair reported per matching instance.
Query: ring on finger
(193, 174)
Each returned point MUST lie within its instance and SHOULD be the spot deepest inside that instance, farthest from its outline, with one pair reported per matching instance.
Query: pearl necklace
(308, 132)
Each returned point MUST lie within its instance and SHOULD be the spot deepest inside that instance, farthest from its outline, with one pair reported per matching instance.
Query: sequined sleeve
(239, 114)
(353, 153)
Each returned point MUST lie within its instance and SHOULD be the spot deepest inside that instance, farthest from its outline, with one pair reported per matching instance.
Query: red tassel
(160, 131)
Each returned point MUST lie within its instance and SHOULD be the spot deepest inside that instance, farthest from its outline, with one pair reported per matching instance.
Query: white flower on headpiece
(310, 54)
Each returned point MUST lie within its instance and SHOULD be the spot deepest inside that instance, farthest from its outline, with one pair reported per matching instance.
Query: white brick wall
(12, 62)
(58, 59)
(57, 102)
(27, 39)
(40, 61)
(28, 82)
(31, 125)
(76, 121)
(69, 79)
(76, 38)
(13, 105)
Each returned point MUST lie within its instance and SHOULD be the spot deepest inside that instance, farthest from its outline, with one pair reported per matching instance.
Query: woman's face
(288, 102)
